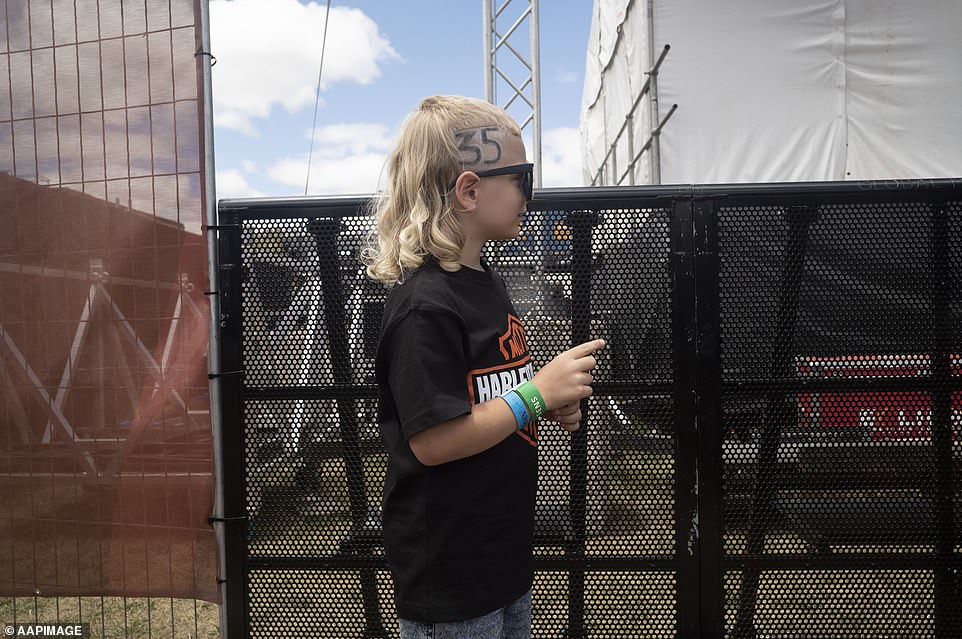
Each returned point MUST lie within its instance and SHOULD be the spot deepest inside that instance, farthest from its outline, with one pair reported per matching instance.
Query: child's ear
(466, 190)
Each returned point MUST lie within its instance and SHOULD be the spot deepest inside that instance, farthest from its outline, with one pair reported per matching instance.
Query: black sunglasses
(526, 171)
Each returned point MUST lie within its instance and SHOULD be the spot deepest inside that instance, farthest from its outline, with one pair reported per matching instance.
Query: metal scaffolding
(520, 76)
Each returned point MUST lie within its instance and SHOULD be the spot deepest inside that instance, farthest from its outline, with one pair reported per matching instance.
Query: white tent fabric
(779, 90)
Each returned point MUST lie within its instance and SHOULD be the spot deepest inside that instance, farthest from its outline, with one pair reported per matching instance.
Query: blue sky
(382, 57)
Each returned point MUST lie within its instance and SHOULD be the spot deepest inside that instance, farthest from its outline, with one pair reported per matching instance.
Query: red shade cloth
(106, 455)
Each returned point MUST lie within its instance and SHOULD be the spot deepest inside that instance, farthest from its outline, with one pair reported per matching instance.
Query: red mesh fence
(106, 454)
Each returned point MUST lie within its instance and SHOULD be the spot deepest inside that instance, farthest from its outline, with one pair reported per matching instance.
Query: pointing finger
(587, 348)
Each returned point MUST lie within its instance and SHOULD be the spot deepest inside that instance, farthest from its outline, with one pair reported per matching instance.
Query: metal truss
(102, 330)
(516, 73)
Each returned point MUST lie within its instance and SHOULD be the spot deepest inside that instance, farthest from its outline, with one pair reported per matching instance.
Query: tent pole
(488, 37)
(655, 173)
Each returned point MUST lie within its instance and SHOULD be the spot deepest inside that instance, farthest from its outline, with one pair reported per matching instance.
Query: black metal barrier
(773, 447)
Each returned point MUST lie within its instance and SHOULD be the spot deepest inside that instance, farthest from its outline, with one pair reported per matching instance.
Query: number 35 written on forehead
(479, 145)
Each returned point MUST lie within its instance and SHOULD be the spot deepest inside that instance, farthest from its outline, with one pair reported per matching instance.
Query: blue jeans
(511, 622)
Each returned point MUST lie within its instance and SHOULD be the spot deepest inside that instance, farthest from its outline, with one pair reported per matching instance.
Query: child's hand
(568, 416)
(567, 378)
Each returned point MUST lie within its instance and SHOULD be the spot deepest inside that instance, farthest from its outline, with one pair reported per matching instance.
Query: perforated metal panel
(768, 450)
(840, 371)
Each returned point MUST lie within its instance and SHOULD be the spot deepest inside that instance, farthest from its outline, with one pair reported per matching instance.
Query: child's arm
(484, 427)
(563, 382)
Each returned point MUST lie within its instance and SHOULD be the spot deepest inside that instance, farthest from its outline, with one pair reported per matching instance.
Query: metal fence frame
(699, 561)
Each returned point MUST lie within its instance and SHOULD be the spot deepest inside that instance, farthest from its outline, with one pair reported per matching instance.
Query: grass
(119, 616)
(839, 603)
(829, 604)
(314, 603)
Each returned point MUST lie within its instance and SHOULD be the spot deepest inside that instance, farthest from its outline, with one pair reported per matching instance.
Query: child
(458, 398)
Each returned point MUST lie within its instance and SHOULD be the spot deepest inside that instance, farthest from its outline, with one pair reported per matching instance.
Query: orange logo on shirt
(530, 433)
(513, 343)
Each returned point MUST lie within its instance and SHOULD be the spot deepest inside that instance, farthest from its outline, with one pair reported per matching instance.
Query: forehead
(488, 147)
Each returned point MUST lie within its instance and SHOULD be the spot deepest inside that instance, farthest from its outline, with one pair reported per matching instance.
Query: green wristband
(532, 399)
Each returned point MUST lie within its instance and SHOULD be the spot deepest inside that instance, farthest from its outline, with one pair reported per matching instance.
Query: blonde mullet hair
(415, 218)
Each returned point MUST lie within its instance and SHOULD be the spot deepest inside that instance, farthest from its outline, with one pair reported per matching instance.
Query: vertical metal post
(708, 420)
(687, 532)
(488, 48)
(614, 163)
(536, 90)
(229, 433)
(948, 609)
(653, 120)
(229, 624)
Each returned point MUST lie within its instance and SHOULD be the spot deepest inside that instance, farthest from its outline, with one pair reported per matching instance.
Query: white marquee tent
(775, 90)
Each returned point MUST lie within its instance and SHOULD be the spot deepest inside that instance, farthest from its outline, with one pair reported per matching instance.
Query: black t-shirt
(458, 536)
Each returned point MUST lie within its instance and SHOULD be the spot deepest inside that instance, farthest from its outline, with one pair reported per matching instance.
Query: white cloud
(354, 138)
(561, 157)
(348, 158)
(235, 120)
(353, 174)
(566, 77)
(231, 183)
(268, 53)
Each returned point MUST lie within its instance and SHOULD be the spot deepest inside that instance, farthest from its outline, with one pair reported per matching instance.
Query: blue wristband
(517, 406)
